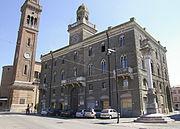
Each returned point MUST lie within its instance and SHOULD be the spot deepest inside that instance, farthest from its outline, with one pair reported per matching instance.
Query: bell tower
(82, 28)
(24, 59)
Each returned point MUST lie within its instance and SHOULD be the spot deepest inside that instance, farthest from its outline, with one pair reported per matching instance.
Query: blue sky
(160, 17)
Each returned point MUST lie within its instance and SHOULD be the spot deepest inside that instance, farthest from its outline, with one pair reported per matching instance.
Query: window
(75, 72)
(122, 41)
(125, 82)
(178, 91)
(28, 19)
(158, 70)
(165, 74)
(54, 77)
(55, 63)
(90, 69)
(90, 51)
(63, 75)
(174, 91)
(175, 98)
(103, 47)
(143, 65)
(90, 87)
(45, 66)
(124, 61)
(35, 22)
(29, 41)
(25, 69)
(103, 85)
(156, 54)
(54, 91)
(63, 61)
(160, 86)
(154, 85)
(152, 68)
(103, 65)
(36, 74)
(1, 104)
(75, 56)
(22, 101)
(163, 59)
(44, 80)
(145, 84)
(32, 20)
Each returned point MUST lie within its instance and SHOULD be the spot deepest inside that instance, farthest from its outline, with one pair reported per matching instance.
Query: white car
(109, 113)
(80, 113)
(45, 111)
(90, 113)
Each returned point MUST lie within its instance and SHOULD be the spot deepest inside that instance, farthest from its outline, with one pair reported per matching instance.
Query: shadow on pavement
(103, 123)
(176, 117)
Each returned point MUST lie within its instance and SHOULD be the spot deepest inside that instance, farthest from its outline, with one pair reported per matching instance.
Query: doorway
(74, 98)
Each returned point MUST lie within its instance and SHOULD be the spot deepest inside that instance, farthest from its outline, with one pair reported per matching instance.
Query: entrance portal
(74, 98)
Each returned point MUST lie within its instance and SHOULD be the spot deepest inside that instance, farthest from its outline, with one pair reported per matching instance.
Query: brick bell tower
(22, 87)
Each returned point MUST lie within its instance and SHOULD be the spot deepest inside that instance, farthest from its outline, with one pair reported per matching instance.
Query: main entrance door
(74, 98)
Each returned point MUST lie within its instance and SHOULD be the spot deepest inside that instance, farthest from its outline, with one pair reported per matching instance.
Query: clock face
(75, 38)
(26, 55)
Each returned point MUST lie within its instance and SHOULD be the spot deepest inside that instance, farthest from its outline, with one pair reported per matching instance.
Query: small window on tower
(35, 22)
(25, 69)
(28, 19)
(29, 41)
(32, 20)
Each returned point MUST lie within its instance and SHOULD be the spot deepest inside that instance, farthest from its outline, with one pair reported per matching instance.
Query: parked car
(80, 113)
(90, 113)
(68, 113)
(45, 111)
(54, 112)
(109, 113)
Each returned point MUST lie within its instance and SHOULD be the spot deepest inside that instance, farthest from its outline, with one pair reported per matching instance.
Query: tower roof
(82, 7)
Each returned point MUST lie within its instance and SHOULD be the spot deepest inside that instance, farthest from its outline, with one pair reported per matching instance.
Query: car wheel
(110, 117)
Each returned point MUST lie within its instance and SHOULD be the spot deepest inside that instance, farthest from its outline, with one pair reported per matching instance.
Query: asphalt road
(21, 121)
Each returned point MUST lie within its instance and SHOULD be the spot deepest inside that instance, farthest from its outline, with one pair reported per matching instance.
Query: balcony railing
(125, 72)
(43, 86)
(74, 81)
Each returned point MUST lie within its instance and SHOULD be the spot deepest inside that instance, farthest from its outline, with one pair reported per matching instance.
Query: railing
(125, 71)
(74, 80)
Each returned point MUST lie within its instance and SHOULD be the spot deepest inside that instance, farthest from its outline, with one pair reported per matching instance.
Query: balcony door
(74, 98)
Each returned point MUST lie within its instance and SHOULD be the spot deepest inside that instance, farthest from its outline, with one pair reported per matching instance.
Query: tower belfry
(22, 85)
(82, 28)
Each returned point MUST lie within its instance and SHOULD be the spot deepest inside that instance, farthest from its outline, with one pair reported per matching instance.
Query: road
(22, 121)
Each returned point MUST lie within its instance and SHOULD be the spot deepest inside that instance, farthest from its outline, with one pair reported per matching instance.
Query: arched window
(154, 85)
(75, 72)
(124, 61)
(32, 20)
(90, 51)
(62, 75)
(28, 19)
(158, 70)
(75, 56)
(122, 41)
(54, 77)
(103, 66)
(102, 47)
(90, 69)
(145, 84)
(143, 65)
(35, 22)
(152, 67)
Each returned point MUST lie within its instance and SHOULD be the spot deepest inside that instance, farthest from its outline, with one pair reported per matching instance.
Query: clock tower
(22, 87)
(82, 28)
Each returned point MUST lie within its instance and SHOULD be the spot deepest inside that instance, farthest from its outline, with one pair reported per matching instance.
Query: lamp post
(116, 81)
(50, 85)
(109, 81)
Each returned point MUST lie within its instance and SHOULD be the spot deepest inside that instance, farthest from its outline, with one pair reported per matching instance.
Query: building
(78, 76)
(176, 97)
(20, 81)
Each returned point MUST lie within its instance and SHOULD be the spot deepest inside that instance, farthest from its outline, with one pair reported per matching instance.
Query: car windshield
(104, 111)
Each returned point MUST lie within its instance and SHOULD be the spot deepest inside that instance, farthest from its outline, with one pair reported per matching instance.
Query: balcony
(80, 81)
(43, 86)
(125, 72)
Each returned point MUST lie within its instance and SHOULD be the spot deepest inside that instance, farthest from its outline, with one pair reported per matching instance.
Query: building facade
(82, 74)
(23, 85)
(176, 97)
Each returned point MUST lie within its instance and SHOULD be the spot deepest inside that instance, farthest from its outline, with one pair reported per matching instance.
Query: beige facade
(176, 97)
(23, 85)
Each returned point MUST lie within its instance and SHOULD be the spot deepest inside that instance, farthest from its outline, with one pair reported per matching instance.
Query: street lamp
(51, 78)
(116, 80)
